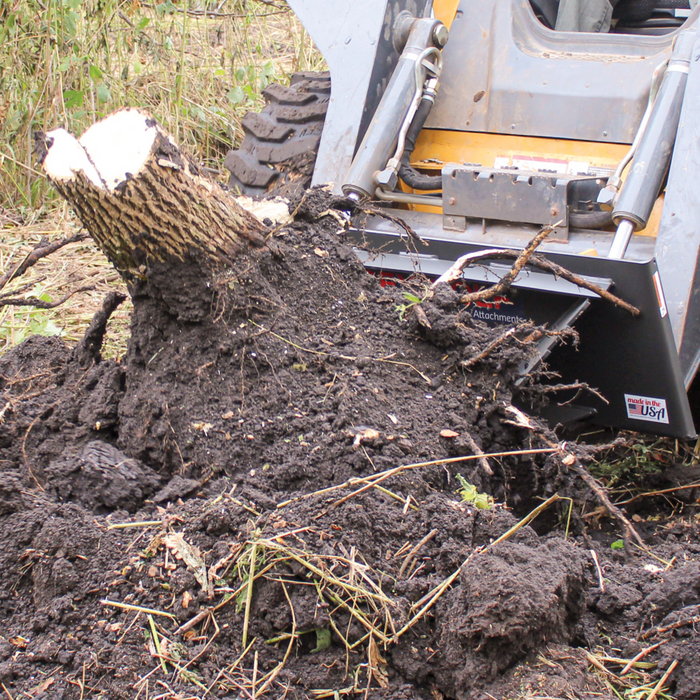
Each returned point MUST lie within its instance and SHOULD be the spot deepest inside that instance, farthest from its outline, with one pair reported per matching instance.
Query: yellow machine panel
(436, 147)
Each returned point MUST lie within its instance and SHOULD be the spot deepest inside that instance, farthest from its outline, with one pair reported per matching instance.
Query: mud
(159, 483)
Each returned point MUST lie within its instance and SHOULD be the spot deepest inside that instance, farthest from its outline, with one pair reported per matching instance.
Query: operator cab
(645, 17)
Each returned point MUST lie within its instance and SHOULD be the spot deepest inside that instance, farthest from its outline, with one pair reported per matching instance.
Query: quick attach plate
(518, 196)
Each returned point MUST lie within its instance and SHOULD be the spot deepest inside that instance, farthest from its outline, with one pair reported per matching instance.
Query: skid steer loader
(481, 121)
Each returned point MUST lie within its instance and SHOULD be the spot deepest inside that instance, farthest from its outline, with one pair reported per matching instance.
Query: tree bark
(142, 200)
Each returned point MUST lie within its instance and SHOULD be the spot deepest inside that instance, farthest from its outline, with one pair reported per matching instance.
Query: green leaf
(142, 24)
(103, 94)
(138, 67)
(412, 298)
(199, 113)
(165, 8)
(95, 73)
(69, 24)
(65, 64)
(323, 640)
(236, 96)
(73, 98)
(618, 544)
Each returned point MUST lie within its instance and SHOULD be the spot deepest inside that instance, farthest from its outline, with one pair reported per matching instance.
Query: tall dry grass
(197, 66)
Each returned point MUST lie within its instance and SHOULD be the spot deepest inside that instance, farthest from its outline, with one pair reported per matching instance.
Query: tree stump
(141, 199)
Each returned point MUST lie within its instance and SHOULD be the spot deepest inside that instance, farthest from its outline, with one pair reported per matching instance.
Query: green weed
(412, 300)
(470, 494)
(19, 322)
(637, 461)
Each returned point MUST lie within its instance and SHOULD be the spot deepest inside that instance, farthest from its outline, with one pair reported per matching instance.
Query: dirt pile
(261, 500)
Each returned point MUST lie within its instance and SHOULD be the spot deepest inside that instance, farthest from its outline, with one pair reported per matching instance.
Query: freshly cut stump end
(142, 200)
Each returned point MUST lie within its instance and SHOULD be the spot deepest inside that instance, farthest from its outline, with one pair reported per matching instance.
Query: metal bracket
(520, 196)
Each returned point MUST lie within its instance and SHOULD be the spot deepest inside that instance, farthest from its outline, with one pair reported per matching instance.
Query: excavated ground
(167, 528)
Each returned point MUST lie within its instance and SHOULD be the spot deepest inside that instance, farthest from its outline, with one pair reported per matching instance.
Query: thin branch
(495, 344)
(507, 280)
(628, 530)
(40, 251)
(38, 303)
(384, 214)
(521, 259)
(455, 270)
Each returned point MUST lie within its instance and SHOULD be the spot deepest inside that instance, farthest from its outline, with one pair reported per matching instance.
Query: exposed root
(522, 258)
(88, 349)
(503, 285)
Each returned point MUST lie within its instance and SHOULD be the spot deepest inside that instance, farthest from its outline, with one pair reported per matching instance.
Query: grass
(75, 265)
(197, 67)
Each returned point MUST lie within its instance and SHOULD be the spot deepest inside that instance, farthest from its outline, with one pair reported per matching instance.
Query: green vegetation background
(197, 66)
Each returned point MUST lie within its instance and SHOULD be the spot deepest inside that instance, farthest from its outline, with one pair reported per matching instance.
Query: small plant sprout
(470, 494)
(413, 300)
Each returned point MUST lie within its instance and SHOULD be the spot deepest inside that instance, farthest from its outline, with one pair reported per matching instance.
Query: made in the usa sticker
(646, 408)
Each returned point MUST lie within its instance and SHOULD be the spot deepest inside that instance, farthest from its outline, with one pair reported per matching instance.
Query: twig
(599, 491)
(156, 643)
(385, 475)
(267, 680)
(371, 481)
(143, 523)
(574, 386)
(493, 345)
(601, 583)
(24, 452)
(593, 660)
(39, 303)
(668, 628)
(385, 214)
(249, 592)
(662, 680)
(137, 608)
(694, 485)
(40, 251)
(638, 657)
(481, 457)
(254, 680)
(204, 648)
(411, 555)
(395, 496)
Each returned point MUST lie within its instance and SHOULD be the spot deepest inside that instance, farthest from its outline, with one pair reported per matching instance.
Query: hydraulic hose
(407, 172)
(590, 219)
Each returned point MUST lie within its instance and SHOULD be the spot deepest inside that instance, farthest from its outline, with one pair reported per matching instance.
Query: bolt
(606, 198)
(554, 211)
(440, 35)
(453, 201)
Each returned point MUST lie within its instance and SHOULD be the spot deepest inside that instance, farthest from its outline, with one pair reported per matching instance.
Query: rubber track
(280, 144)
